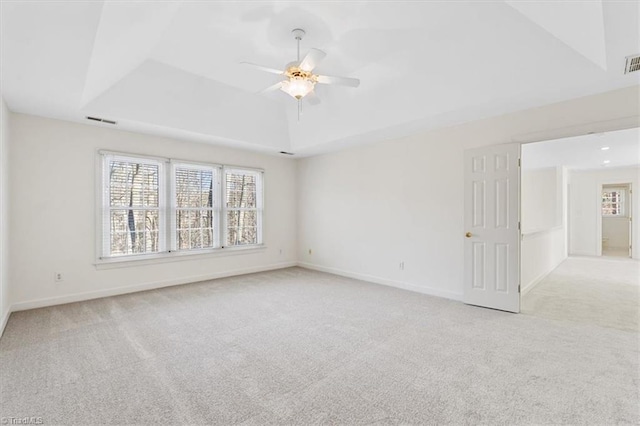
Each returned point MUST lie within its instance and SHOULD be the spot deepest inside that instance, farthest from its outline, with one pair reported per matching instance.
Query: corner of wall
(296, 243)
(5, 301)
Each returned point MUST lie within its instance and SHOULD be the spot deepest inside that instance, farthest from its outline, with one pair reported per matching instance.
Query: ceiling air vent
(286, 153)
(633, 64)
(101, 120)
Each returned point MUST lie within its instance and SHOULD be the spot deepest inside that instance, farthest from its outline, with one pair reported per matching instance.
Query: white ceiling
(173, 68)
(585, 152)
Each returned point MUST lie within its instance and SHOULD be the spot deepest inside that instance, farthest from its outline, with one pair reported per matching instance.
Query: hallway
(589, 290)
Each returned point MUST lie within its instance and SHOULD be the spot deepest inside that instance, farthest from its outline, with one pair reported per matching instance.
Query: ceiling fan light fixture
(298, 87)
(298, 77)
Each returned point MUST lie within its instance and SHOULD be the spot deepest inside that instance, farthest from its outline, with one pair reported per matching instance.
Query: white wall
(5, 117)
(53, 217)
(585, 203)
(541, 198)
(544, 205)
(364, 210)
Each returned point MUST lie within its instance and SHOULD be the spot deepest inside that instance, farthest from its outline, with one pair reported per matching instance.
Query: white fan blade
(260, 67)
(313, 99)
(340, 81)
(312, 59)
(272, 88)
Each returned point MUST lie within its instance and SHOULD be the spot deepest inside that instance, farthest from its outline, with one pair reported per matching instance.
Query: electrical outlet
(402, 266)
(280, 251)
(58, 277)
(310, 252)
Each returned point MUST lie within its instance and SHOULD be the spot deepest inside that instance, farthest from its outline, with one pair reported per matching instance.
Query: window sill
(176, 256)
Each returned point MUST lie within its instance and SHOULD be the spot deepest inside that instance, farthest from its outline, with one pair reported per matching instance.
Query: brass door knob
(468, 235)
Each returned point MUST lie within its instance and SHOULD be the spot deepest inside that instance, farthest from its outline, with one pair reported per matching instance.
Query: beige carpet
(589, 290)
(302, 347)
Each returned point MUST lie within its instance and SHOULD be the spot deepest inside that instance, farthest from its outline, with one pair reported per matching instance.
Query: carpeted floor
(589, 290)
(300, 347)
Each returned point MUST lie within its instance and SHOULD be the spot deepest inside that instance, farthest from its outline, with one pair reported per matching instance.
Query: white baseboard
(78, 297)
(5, 319)
(383, 281)
(528, 287)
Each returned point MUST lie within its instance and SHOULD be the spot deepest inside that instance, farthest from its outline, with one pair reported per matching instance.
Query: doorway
(559, 214)
(615, 218)
(577, 262)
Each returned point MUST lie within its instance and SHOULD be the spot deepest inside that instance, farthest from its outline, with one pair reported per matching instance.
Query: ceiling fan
(299, 79)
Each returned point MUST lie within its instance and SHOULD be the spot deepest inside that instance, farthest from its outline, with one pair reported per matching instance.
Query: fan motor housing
(296, 72)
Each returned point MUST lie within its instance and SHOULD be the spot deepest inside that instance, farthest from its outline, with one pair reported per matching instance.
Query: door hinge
(518, 226)
(518, 288)
(519, 162)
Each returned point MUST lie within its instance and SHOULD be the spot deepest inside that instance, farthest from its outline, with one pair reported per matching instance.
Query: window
(613, 201)
(206, 207)
(132, 217)
(196, 193)
(243, 207)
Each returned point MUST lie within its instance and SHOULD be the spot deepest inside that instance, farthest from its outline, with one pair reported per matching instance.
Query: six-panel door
(492, 235)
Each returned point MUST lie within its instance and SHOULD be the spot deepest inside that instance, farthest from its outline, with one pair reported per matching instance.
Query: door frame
(629, 205)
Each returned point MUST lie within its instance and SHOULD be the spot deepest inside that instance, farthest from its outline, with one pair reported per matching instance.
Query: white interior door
(491, 217)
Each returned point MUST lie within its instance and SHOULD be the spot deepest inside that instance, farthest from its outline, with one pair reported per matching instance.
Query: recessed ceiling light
(606, 162)
(604, 148)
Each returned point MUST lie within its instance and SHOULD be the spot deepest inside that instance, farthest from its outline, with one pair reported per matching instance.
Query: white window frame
(105, 232)
(167, 207)
(259, 203)
(217, 223)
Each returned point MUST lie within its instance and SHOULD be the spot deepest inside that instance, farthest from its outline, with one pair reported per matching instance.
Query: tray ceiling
(174, 69)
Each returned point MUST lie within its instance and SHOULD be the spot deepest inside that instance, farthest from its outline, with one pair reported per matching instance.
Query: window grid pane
(242, 221)
(133, 184)
(241, 190)
(194, 229)
(134, 231)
